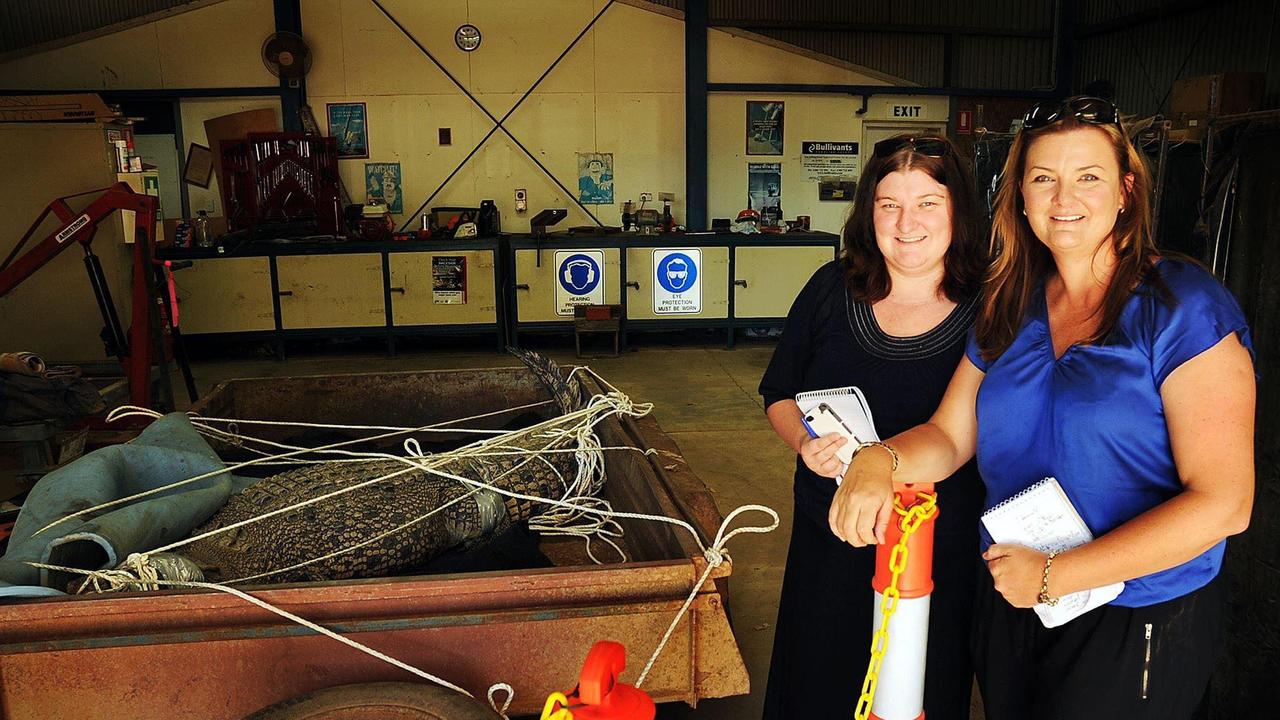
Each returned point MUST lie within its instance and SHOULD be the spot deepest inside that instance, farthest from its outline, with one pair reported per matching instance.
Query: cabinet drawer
(713, 275)
(773, 277)
(225, 295)
(330, 291)
(414, 300)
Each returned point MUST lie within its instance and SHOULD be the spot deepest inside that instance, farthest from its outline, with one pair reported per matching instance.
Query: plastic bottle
(200, 230)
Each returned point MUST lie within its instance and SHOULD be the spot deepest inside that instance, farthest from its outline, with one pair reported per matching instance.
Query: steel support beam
(878, 28)
(869, 90)
(293, 92)
(695, 114)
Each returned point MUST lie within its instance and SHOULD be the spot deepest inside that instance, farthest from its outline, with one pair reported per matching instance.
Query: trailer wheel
(379, 701)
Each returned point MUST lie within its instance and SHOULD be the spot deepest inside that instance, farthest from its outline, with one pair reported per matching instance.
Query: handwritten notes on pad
(1042, 517)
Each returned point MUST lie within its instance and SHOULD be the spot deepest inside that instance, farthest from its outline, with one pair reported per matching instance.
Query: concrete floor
(705, 399)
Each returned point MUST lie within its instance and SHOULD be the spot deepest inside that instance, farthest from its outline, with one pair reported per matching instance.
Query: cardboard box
(1220, 94)
(1188, 126)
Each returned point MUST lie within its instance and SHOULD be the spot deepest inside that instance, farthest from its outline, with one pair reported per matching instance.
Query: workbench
(297, 290)
(745, 280)
(287, 290)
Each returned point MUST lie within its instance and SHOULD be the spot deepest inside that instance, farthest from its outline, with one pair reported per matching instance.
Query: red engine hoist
(153, 328)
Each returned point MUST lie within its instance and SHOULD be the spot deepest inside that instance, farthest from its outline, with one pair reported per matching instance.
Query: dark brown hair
(1019, 261)
(966, 259)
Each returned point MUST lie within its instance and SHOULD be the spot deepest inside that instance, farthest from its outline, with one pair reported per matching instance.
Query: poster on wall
(382, 183)
(677, 287)
(595, 178)
(764, 127)
(449, 280)
(822, 160)
(764, 187)
(348, 124)
(579, 279)
(837, 189)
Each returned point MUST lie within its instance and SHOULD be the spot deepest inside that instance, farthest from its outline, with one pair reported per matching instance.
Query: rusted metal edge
(290, 629)
(348, 601)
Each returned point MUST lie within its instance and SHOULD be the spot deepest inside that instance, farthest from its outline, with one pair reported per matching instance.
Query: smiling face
(1072, 190)
(912, 220)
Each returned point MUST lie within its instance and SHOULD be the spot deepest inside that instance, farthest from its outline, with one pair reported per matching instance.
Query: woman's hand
(863, 504)
(819, 454)
(1017, 572)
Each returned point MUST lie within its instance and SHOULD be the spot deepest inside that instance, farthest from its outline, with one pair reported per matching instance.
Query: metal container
(208, 655)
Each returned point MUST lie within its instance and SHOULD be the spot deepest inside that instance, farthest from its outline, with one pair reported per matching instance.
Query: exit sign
(907, 111)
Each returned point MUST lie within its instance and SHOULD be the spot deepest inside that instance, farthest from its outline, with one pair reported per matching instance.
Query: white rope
(120, 580)
(127, 411)
(145, 577)
(579, 512)
(715, 556)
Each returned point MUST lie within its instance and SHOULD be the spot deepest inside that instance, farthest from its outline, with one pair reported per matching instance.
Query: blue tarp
(169, 450)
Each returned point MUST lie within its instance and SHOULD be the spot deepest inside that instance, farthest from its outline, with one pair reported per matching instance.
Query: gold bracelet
(876, 443)
(1045, 597)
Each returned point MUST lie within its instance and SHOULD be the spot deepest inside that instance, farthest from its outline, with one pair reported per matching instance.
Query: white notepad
(849, 404)
(1042, 517)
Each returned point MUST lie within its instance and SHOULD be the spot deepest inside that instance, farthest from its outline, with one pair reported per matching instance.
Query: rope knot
(715, 557)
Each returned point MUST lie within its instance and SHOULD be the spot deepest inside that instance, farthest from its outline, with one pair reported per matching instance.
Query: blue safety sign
(579, 274)
(579, 279)
(677, 288)
(677, 272)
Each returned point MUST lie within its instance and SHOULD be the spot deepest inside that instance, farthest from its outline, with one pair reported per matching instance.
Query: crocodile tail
(567, 392)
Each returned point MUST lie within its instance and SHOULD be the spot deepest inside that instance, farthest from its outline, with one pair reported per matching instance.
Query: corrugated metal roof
(24, 23)
(995, 14)
(1144, 60)
(918, 58)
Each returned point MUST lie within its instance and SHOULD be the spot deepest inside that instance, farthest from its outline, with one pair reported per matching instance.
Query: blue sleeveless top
(1094, 418)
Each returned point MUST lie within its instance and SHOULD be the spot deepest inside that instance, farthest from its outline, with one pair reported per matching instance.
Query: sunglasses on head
(927, 146)
(1091, 110)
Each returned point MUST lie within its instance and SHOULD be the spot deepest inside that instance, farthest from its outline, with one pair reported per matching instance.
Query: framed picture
(199, 167)
(764, 127)
(349, 125)
(382, 183)
(595, 178)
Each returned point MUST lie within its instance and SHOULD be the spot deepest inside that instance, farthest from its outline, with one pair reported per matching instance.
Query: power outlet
(646, 197)
(522, 200)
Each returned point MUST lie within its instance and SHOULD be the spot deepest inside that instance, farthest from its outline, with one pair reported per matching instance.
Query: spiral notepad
(849, 403)
(1042, 517)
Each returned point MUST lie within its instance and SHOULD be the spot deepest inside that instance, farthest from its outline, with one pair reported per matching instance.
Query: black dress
(823, 634)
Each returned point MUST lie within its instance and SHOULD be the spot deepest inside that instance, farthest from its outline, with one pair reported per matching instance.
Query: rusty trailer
(211, 656)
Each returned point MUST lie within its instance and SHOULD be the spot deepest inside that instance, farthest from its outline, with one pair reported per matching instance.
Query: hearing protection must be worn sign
(678, 286)
(579, 279)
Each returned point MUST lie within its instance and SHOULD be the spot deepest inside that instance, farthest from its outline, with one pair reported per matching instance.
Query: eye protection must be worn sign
(579, 279)
(677, 289)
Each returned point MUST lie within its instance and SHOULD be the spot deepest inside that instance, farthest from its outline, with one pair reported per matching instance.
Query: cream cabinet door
(538, 303)
(767, 279)
(714, 279)
(225, 295)
(414, 302)
(331, 291)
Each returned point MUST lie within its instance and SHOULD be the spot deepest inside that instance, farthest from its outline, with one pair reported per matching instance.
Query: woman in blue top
(1126, 376)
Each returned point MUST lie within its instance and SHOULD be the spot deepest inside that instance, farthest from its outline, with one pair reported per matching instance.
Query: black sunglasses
(927, 146)
(1091, 110)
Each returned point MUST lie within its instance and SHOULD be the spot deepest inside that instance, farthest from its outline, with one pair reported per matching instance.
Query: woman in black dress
(890, 316)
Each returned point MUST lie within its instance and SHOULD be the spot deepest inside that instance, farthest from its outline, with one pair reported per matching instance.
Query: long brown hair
(1019, 261)
(864, 267)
